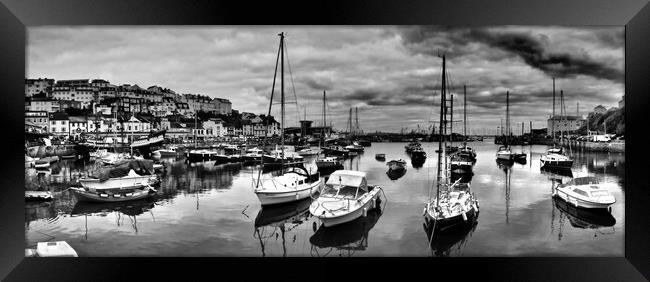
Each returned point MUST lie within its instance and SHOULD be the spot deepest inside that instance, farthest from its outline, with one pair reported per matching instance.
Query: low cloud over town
(392, 74)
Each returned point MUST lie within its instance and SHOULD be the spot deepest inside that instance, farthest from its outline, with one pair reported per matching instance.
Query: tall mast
(561, 115)
(451, 123)
(507, 116)
(350, 121)
(356, 113)
(322, 135)
(441, 132)
(282, 96)
(465, 114)
(268, 117)
(553, 115)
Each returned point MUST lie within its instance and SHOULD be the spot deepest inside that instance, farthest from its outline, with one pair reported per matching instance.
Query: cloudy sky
(392, 74)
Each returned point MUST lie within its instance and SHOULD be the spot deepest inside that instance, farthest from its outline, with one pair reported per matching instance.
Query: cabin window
(599, 193)
(579, 191)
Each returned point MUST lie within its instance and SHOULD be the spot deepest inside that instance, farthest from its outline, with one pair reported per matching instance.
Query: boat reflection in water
(595, 219)
(553, 173)
(464, 177)
(346, 238)
(129, 208)
(280, 218)
(444, 242)
(395, 174)
(505, 164)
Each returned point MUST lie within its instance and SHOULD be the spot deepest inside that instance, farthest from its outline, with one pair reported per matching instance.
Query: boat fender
(609, 209)
(297, 196)
(475, 207)
(424, 211)
(464, 216)
(365, 212)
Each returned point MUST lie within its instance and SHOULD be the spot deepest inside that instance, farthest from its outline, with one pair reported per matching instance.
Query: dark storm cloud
(555, 65)
(453, 41)
(316, 84)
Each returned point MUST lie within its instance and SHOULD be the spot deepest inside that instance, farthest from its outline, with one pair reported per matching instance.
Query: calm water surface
(210, 210)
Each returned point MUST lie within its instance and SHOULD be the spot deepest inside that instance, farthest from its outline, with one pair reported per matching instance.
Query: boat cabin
(346, 184)
(587, 180)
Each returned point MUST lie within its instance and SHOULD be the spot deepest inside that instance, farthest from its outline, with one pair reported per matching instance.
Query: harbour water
(205, 209)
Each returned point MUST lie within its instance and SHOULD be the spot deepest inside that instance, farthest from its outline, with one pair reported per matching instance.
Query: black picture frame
(17, 15)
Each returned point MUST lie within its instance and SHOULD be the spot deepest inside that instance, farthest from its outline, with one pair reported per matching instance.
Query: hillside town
(75, 109)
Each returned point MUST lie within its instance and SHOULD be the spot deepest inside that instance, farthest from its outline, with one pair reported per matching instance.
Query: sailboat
(328, 164)
(451, 206)
(464, 160)
(504, 153)
(555, 157)
(296, 183)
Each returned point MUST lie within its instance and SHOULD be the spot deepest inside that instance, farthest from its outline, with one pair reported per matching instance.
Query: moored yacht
(345, 197)
(555, 158)
(585, 192)
(295, 184)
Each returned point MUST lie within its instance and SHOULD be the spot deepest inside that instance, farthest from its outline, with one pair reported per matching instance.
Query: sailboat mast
(356, 113)
(465, 114)
(451, 124)
(441, 132)
(268, 117)
(553, 115)
(282, 96)
(507, 116)
(561, 115)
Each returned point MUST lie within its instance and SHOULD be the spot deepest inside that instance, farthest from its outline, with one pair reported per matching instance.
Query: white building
(565, 124)
(36, 86)
(134, 124)
(40, 118)
(84, 94)
(59, 124)
(213, 128)
(43, 105)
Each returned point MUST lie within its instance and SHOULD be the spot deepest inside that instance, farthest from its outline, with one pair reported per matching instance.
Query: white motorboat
(252, 155)
(328, 163)
(38, 195)
(309, 152)
(113, 195)
(51, 249)
(555, 158)
(114, 158)
(129, 181)
(585, 192)
(295, 184)
(169, 152)
(504, 153)
(345, 197)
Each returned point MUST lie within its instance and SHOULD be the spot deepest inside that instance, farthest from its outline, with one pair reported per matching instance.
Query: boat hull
(86, 196)
(274, 198)
(368, 205)
(451, 222)
(580, 203)
(461, 167)
(127, 182)
(556, 164)
(505, 156)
